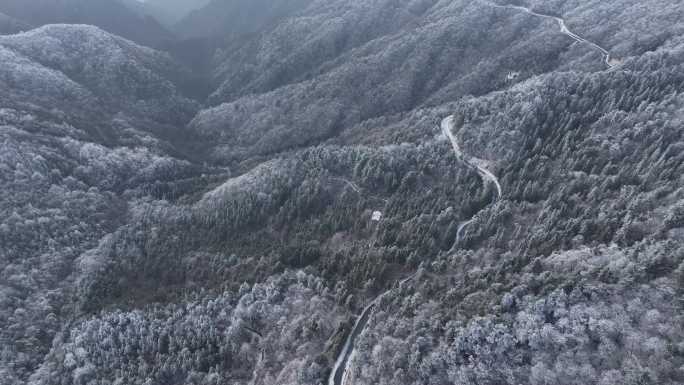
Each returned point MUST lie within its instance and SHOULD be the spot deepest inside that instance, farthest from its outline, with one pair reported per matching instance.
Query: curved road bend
(341, 369)
(563, 28)
(351, 184)
(340, 372)
(486, 175)
(459, 232)
(357, 189)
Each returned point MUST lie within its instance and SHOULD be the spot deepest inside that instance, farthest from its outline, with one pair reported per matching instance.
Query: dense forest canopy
(341, 191)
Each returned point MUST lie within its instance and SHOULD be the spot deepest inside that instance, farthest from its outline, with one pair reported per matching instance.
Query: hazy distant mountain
(167, 12)
(171, 11)
(229, 18)
(10, 25)
(110, 15)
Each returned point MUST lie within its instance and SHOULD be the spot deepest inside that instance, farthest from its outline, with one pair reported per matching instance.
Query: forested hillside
(374, 192)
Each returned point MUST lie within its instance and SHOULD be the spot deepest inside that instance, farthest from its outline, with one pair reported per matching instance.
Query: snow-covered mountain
(373, 192)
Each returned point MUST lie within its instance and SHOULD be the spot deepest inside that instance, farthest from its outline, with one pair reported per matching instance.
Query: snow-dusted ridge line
(607, 59)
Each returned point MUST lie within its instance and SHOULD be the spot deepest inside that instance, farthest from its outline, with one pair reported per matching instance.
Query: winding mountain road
(357, 189)
(340, 371)
(607, 59)
(476, 163)
(340, 374)
(351, 184)
(459, 233)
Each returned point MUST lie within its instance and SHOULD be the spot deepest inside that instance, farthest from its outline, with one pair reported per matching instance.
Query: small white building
(512, 75)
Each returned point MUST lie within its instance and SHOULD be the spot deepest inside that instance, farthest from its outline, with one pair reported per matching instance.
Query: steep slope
(110, 15)
(324, 31)
(122, 76)
(433, 55)
(299, 45)
(87, 121)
